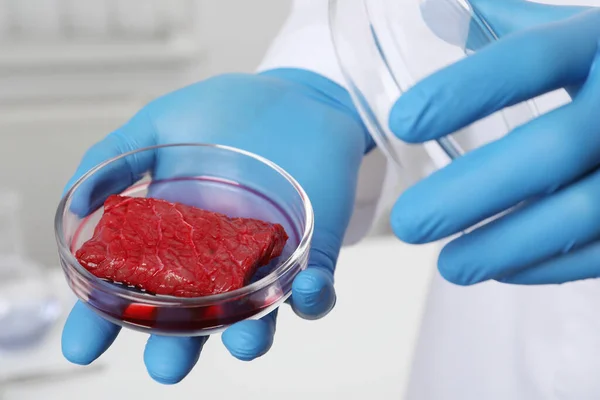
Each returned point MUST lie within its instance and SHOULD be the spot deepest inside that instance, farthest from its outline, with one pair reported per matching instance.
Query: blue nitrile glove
(548, 166)
(299, 120)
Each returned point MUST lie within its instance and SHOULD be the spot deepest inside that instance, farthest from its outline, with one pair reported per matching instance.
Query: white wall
(238, 32)
(62, 89)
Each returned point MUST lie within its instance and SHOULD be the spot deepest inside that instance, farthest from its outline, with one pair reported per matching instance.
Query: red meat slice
(178, 250)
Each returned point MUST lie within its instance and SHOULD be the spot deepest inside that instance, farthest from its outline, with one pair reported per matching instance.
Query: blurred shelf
(61, 71)
(39, 115)
(24, 56)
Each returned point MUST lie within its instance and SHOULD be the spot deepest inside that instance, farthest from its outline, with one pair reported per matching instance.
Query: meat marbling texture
(173, 249)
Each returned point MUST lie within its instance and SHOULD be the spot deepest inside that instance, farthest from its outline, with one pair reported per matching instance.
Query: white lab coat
(491, 341)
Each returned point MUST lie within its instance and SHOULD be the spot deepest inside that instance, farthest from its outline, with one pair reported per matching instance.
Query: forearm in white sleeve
(305, 42)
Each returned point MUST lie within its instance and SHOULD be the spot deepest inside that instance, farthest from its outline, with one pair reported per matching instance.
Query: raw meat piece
(174, 249)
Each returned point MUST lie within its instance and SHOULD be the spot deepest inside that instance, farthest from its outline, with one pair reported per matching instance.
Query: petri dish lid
(386, 47)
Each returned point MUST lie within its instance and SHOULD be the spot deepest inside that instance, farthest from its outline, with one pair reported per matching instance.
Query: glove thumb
(507, 16)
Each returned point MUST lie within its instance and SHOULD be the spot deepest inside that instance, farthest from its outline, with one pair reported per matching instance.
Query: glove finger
(170, 359)
(136, 133)
(313, 293)
(553, 226)
(506, 73)
(250, 339)
(577, 265)
(535, 160)
(86, 335)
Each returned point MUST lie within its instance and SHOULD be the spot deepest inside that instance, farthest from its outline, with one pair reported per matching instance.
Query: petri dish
(385, 47)
(213, 177)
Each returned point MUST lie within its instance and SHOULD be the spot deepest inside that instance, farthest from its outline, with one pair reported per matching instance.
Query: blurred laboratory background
(71, 71)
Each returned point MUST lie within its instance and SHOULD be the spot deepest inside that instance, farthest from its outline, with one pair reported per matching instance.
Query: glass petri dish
(217, 178)
(384, 47)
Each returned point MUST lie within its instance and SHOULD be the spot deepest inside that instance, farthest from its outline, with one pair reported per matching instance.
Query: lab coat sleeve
(304, 42)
